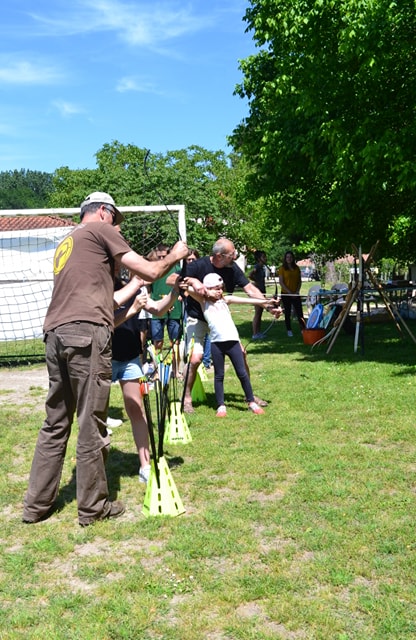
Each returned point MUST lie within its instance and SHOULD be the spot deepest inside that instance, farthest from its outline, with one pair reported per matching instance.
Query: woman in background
(290, 280)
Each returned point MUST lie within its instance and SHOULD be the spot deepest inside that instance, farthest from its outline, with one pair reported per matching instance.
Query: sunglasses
(113, 215)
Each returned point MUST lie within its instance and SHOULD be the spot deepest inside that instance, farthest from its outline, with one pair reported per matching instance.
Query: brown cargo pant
(78, 358)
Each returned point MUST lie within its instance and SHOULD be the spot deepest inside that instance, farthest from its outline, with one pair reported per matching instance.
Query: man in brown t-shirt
(78, 329)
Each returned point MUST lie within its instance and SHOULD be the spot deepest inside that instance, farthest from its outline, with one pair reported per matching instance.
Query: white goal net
(26, 259)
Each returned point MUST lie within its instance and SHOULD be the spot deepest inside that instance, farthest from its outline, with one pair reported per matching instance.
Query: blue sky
(77, 74)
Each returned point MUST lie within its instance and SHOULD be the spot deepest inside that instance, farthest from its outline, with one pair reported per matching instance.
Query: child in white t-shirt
(225, 340)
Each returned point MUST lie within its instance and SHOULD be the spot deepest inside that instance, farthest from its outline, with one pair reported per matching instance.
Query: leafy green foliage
(24, 189)
(331, 129)
(209, 184)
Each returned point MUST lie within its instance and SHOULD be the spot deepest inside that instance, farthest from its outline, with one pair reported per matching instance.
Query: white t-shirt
(143, 314)
(220, 322)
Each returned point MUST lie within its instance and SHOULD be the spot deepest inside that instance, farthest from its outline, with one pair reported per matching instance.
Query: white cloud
(144, 24)
(131, 83)
(24, 72)
(67, 109)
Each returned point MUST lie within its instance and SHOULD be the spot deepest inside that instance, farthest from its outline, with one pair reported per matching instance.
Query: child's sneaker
(144, 474)
(113, 423)
(221, 411)
(254, 407)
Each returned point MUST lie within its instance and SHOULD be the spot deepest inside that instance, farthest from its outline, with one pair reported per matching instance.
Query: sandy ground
(16, 384)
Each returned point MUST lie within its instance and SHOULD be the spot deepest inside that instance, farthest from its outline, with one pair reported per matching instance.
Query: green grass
(22, 352)
(299, 524)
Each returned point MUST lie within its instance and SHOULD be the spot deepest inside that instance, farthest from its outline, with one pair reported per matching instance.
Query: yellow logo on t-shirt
(62, 254)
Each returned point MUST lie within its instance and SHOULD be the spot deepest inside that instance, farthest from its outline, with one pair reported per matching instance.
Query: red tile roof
(21, 223)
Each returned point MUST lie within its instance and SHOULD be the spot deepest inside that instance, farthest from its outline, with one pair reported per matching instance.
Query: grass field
(299, 524)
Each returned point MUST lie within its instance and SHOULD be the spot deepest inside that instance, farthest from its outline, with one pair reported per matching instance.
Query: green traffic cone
(198, 392)
(163, 500)
(202, 373)
(177, 430)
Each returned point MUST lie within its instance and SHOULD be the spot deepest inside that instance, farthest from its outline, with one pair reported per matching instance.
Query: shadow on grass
(119, 465)
(232, 399)
(378, 342)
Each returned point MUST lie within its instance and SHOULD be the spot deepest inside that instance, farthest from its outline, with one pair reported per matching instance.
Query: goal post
(28, 239)
(176, 210)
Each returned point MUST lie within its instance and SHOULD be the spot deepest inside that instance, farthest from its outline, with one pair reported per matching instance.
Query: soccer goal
(28, 239)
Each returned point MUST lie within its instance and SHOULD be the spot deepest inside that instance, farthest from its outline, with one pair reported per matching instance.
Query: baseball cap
(212, 280)
(103, 198)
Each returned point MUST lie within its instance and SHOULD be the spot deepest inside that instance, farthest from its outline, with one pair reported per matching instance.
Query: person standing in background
(290, 280)
(258, 276)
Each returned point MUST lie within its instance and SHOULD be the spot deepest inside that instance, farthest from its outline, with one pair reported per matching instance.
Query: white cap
(102, 198)
(212, 280)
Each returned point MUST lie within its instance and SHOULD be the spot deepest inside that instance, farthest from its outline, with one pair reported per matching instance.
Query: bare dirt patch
(18, 386)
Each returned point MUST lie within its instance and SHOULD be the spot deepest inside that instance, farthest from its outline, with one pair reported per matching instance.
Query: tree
(25, 189)
(195, 177)
(71, 186)
(208, 183)
(331, 130)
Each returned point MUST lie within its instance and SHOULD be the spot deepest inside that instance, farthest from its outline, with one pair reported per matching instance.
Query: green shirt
(160, 289)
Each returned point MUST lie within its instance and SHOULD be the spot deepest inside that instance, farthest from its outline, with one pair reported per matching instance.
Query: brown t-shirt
(83, 268)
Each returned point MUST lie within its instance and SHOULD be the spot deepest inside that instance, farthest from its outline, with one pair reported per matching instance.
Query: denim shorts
(127, 370)
(158, 325)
